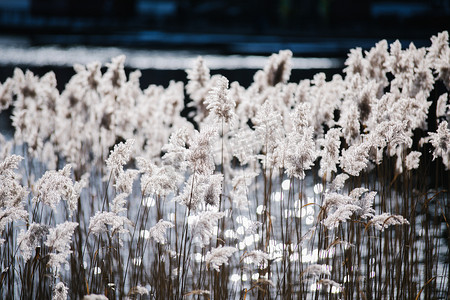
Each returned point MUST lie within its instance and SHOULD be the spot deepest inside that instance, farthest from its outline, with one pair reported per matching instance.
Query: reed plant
(331, 188)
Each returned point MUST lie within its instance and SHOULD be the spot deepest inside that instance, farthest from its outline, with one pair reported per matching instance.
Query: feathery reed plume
(364, 199)
(219, 103)
(355, 158)
(442, 106)
(199, 155)
(198, 292)
(219, 256)
(412, 160)
(157, 180)
(202, 226)
(330, 153)
(198, 80)
(213, 190)
(329, 282)
(349, 121)
(111, 221)
(201, 189)
(383, 221)
(58, 241)
(355, 62)
(300, 153)
(341, 214)
(60, 291)
(317, 270)
(256, 257)
(124, 181)
(338, 182)
(12, 193)
(240, 183)
(440, 140)
(30, 239)
(158, 231)
(138, 290)
(119, 157)
(98, 223)
(55, 185)
(95, 297)
(439, 46)
(268, 130)
(245, 145)
(6, 98)
(176, 149)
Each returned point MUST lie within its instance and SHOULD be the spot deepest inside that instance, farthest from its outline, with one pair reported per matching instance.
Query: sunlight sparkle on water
(215, 230)
(287, 213)
(277, 196)
(145, 234)
(300, 213)
(240, 219)
(260, 209)
(137, 261)
(149, 201)
(246, 222)
(311, 257)
(241, 245)
(235, 277)
(198, 257)
(256, 237)
(319, 286)
(294, 256)
(315, 287)
(249, 240)
(318, 188)
(231, 234)
(171, 217)
(286, 184)
(248, 261)
(335, 290)
(326, 253)
(240, 230)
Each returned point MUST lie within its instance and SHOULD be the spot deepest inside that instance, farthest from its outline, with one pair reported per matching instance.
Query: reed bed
(328, 188)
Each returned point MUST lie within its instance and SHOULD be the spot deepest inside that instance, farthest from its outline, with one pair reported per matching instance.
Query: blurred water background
(232, 35)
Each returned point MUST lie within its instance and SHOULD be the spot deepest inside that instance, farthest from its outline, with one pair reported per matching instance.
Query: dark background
(218, 25)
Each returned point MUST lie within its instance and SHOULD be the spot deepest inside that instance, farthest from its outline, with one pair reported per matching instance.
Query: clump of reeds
(333, 189)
